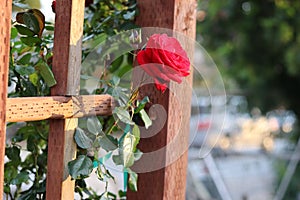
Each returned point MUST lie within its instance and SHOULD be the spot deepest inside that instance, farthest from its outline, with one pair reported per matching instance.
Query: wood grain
(171, 142)
(66, 68)
(57, 107)
(5, 19)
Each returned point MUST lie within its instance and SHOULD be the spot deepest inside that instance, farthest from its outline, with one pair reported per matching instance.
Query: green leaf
(21, 177)
(13, 153)
(123, 115)
(25, 59)
(108, 143)
(141, 104)
(31, 41)
(10, 172)
(123, 70)
(136, 134)
(24, 70)
(34, 78)
(94, 125)
(128, 147)
(28, 194)
(122, 193)
(20, 5)
(119, 94)
(13, 33)
(115, 80)
(24, 30)
(23, 133)
(137, 154)
(145, 118)
(117, 159)
(116, 64)
(81, 166)
(31, 22)
(129, 15)
(81, 139)
(49, 28)
(6, 188)
(93, 41)
(132, 182)
(31, 143)
(46, 73)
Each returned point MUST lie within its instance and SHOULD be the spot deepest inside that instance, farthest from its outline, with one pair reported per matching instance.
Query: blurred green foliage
(255, 44)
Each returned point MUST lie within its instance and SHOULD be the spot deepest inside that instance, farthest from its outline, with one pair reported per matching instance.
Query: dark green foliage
(256, 44)
(30, 75)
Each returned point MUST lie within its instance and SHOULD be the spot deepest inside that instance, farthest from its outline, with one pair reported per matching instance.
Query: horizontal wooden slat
(57, 107)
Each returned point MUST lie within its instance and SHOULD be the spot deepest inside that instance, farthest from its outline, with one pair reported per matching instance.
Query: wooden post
(5, 17)
(66, 69)
(168, 182)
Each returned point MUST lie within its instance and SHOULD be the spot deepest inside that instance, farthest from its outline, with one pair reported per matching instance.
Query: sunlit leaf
(137, 154)
(141, 104)
(128, 147)
(132, 181)
(13, 33)
(34, 78)
(147, 121)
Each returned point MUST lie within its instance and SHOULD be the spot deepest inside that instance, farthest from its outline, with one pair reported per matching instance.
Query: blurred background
(256, 47)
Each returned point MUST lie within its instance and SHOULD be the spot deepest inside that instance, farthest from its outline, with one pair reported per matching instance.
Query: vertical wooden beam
(66, 68)
(5, 20)
(168, 182)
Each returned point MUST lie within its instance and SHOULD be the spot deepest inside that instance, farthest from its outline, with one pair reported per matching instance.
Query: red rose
(164, 59)
(53, 5)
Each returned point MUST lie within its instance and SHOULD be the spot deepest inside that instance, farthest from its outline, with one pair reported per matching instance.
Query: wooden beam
(57, 107)
(5, 20)
(167, 182)
(66, 68)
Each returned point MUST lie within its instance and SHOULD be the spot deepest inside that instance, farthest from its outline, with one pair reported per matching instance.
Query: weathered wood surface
(172, 141)
(57, 107)
(5, 17)
(66, 69)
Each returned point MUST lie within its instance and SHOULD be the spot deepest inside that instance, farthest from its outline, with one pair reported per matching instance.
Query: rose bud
(53, 5)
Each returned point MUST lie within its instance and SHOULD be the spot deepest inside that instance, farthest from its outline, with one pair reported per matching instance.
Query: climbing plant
(30, 75)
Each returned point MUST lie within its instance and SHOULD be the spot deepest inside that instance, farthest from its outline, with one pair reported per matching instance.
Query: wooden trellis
(64, 105)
